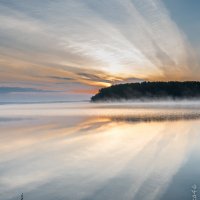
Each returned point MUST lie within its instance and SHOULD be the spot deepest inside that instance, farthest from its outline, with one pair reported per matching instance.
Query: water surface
(84, 151)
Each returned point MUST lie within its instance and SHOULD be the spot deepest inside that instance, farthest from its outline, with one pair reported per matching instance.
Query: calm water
(83, 151)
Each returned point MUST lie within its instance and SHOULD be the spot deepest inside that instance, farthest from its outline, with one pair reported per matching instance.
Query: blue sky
(186, 15)
(68, 49)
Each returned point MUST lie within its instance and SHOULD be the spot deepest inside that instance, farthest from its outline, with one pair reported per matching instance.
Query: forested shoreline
(149, 91)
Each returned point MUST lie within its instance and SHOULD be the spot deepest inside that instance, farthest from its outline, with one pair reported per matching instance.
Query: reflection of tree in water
(158, 117)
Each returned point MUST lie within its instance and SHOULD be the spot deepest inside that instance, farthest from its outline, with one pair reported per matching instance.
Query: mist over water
(79, 151)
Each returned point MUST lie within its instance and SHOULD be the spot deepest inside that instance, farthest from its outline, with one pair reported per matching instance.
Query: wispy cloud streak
(91, 43)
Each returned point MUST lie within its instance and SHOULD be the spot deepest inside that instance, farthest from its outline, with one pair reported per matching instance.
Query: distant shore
(148, 91)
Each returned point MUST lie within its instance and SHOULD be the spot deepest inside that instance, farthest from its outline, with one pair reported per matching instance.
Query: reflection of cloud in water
(86, 157)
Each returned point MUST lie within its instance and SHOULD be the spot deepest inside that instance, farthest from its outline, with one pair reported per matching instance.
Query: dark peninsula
(149, 91)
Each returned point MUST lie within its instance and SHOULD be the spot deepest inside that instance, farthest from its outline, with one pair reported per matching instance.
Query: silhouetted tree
(149, 90)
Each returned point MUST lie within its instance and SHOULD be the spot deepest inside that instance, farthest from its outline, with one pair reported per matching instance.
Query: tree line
(149, 90)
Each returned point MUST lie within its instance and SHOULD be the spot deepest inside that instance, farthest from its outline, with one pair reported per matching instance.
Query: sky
(65, 50)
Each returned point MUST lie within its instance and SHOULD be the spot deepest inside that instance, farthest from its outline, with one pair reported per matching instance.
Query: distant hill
(149, 91)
